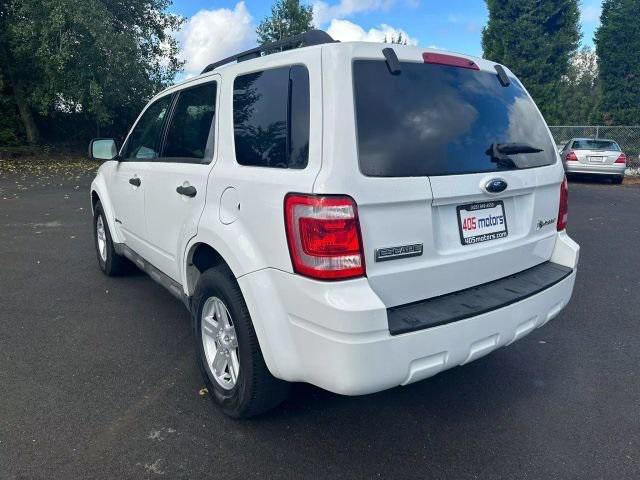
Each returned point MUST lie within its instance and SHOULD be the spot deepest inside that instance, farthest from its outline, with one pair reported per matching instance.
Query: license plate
(481, 222)
(596, 159)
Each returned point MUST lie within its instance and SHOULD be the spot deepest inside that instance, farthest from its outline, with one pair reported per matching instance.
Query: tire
(254, 389)
(109, 261)
(617, 180)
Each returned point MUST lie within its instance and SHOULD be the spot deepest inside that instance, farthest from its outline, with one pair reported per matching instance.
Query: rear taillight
(563, 210)
(622, 159)
(323, 233)
(571, 157)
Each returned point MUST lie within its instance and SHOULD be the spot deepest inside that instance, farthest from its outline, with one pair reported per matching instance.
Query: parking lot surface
(98, 378)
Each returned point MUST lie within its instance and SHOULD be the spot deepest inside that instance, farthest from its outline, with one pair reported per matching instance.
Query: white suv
(344, 214)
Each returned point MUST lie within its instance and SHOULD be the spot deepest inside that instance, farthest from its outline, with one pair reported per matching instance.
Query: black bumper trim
(475, 301)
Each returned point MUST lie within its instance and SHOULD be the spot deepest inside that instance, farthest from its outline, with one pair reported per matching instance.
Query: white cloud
(347, 31)
(323, 12)
(590, 13)
(211, 35)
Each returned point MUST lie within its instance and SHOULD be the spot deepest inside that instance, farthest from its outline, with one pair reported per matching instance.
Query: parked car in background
(594, 156)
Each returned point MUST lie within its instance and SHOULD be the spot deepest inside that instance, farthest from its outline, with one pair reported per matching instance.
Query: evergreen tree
(399, 40)
(536, 40)
(287, 18)
(618, 46)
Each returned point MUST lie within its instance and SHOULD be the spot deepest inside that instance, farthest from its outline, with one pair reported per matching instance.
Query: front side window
(190, 124)
(440, 120)
(271, 118)
(145, 139)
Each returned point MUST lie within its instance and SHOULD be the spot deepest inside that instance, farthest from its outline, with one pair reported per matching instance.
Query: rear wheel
(618, 180)
(109, 261)
(229, 355)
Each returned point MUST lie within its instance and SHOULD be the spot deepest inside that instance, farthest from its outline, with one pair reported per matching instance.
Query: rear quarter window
(271, 118)
(439, 120)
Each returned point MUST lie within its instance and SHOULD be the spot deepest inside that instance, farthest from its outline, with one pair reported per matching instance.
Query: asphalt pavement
(98, 377)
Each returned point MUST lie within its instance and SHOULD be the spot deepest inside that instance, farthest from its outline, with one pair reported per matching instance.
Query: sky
(216, 29)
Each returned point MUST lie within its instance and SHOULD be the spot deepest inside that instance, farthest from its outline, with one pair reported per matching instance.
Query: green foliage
(10, 129)
(287, 18)
(579, 99)
(618, 47)
(95, 60)
(536, 40)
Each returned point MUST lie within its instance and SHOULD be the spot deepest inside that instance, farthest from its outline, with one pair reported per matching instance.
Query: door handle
(189, 191)
(135, 181)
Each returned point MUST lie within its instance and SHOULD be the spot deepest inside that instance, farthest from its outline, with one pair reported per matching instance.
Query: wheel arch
(95, 198)
(99, 193)
(201, 255)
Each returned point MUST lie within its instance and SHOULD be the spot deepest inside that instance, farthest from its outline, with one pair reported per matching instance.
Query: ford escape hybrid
(350, 215)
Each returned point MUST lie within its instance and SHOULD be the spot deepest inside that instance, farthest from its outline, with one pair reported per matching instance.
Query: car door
(175, 189)
(128, 180)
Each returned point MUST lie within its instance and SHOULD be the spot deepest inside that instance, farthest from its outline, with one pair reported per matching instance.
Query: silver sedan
(594, 156)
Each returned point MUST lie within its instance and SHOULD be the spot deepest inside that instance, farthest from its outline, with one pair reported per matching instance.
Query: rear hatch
(451, 202)
(596, 152)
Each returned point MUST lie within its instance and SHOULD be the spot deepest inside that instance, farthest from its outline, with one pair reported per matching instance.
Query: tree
(12, 84)
(287, 18)
(10, 131)
(399, 40)
(9, 126)
(617, 44)
(96, 59)
(536, 40)
(579, 99)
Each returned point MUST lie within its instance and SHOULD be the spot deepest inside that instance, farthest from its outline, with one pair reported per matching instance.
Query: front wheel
(229, 355)
(109, 261)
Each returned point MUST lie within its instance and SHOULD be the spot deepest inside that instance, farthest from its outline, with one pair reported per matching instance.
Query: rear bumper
(475, 301)
(616, 169)
(336, 335)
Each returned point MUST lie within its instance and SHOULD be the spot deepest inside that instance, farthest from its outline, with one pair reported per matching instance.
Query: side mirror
(103, 149)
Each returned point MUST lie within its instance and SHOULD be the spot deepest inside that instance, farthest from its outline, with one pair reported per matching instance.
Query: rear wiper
(499, 153)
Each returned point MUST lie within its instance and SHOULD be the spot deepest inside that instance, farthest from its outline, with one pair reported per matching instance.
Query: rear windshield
(607, 145)
(439, 120)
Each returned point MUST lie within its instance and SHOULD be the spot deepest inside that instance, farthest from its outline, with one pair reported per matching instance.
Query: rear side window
(145, 139)
(190, 124)
(271, 118)
(439, 120)
(606, 145)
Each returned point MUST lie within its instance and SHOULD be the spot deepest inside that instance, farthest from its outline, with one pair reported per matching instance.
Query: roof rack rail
(306, 39)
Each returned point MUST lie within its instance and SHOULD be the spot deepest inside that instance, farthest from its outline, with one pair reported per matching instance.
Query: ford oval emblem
(495, 185)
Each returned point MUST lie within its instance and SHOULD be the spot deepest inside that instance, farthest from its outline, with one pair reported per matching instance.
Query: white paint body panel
(166, 239)
(128, 202)
(335, 334)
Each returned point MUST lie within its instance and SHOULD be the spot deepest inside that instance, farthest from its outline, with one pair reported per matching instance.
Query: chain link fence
(627, 137)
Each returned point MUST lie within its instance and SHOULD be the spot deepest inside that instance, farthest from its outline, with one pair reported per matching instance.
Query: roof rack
(306, 39)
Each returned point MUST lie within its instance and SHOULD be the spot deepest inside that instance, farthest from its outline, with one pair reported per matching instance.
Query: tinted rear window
(596, 145)
(271, 117)
(439, 120)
